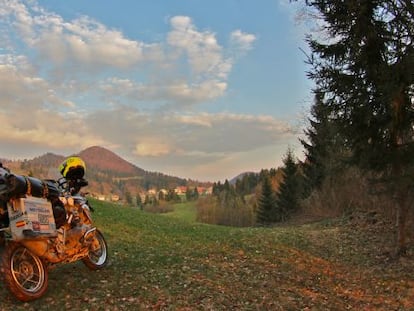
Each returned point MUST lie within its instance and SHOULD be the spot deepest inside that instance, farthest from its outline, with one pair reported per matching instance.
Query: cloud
(190, 67)
(46, 129)
(89, 42)
(151, 148)
(176, 91)
(21, 90)
(202, 120)
(183, 134)
(244, 41)
(204, 54)
(83, 43)
(33, 114)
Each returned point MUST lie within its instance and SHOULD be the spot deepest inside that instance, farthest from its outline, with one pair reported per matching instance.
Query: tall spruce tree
(315, 145)
(365, 69)
(289, 193)
(324, 146)
(266, 203)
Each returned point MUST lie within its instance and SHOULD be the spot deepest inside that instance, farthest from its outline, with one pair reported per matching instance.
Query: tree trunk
(400, 135)
(402, 213)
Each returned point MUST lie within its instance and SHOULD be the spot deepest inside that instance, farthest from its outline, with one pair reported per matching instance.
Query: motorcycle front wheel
(24, 273)
(98, 253)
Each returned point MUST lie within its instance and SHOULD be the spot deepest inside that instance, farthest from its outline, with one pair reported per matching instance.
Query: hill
(158, 262)
(107, 173)
(240, 177)
(102, 159)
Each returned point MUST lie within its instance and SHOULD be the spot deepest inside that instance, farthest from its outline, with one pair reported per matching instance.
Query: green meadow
(171, 262)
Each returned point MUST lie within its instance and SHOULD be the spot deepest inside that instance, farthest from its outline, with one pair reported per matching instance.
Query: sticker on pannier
(31, 217)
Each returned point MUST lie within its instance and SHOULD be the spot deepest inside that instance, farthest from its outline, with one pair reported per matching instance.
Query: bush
(225, 210)
(345, 193)
(160, 208)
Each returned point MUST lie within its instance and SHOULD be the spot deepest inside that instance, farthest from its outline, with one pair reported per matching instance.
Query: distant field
(184, 211)
(170, 262)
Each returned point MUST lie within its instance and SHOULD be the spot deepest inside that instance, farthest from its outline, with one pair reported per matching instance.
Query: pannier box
(31, 217)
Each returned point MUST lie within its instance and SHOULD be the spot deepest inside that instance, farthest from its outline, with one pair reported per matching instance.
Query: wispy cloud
(244, 41)
(185, 133)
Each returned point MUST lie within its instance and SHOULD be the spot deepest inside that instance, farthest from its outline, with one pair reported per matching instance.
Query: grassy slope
(169, 262)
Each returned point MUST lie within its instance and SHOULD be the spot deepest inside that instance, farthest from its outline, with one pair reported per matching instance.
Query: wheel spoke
(21, 256)
(31, 281)
(19, 277)
(23, 279)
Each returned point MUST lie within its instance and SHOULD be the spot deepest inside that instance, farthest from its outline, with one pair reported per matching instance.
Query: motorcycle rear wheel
(98, 253)
(24, 273)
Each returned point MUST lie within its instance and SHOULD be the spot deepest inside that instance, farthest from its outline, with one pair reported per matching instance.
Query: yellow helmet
(72, 168)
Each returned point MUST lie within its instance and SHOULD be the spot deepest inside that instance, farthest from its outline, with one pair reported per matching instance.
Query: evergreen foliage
(247, 184)
(289, 193)
(251, 197)
(172, 196)
(139, 201)
(266, 204)
(365, 72)
(324, 146)
(364, 68)
(128, 197)
(192, 195)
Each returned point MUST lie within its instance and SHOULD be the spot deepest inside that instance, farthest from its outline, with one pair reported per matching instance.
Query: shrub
(225, 209)
(162, 207)
(344, 193)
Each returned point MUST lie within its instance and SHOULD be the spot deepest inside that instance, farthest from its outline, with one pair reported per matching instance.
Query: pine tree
(315, 145)
(196, 194)
(365, 69)
(289, 192)
(324, 146)
(139, 201)
(226, 186)
(266, 203)
(128, 197)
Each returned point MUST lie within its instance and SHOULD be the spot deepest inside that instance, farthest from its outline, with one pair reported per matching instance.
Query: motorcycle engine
(75, 227)
(59, 212)
(74, 236)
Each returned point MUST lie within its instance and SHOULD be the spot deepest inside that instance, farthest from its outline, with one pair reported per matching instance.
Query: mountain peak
(104, 159)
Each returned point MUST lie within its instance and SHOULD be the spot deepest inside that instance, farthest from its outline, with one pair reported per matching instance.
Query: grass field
(184, 211)
(170, 262)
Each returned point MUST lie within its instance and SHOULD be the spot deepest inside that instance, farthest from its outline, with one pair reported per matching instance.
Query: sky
(197, 89)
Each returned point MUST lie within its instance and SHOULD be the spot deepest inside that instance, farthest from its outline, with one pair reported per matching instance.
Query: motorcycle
(44, 223)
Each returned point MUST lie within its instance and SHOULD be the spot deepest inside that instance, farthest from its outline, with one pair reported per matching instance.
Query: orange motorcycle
(44, 223)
